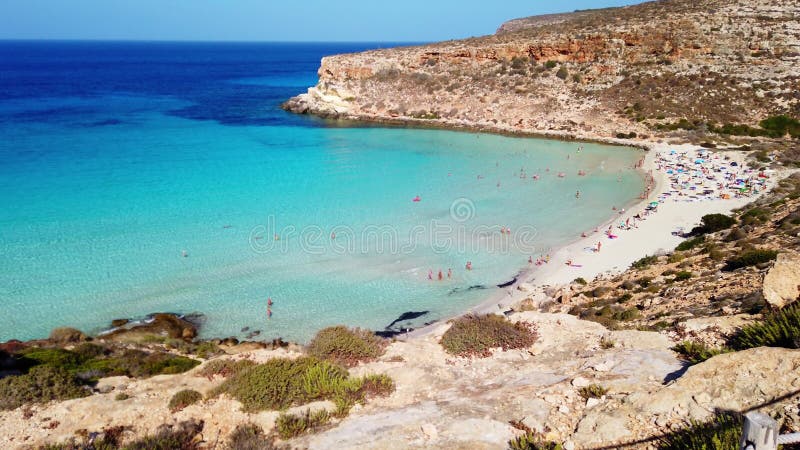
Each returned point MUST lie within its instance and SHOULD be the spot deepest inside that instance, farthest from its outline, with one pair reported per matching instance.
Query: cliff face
(591, 73)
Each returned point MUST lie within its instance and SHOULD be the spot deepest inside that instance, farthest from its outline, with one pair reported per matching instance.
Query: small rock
(592, 402)
(580, 382)
(604, 366)
(563, 409)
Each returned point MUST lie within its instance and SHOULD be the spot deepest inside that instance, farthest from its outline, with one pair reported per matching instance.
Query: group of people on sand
(704, 175)
(542, 259)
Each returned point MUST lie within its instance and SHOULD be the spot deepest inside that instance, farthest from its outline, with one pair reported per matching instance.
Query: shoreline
(652, 236)
(529, 280)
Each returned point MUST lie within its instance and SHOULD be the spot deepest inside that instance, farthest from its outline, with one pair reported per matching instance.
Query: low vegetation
(711, 223)
(592, 391)
(291, 425)
(41, 384)
(645, 262)
(181, 436)
(224, 367)
(721, 433)
(477, 335)
(346, 346)
(777, 329)
(250, 436)
(696, 352)
(690, 244)
(184, 398)
(282, 383)
(60, 374)
(750, 258)
(533, 441)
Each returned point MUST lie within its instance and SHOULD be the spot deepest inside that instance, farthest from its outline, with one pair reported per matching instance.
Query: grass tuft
(776, 329)
(184, 398)
(592, 391)
(721, 433)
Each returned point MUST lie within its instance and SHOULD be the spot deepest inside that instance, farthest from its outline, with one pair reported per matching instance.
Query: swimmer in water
(469, 265)
(430, 274)
(333, 235)
(530, 259)
(269, 301)
(578, 194)
(184, 254)
(269, 312)
(449, 273)
(440, 275)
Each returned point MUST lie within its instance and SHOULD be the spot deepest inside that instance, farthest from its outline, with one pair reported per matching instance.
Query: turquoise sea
(148, 177)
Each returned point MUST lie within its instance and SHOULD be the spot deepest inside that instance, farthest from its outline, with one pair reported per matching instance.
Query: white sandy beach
(653, 235)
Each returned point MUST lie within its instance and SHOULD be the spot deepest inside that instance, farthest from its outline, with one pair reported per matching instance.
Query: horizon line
(229, 41)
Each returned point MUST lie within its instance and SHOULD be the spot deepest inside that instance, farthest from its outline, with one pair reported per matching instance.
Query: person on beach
(449, 273)
(599, 244)
(530, 259)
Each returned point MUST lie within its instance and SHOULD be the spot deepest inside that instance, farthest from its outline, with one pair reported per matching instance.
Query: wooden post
(760, 432)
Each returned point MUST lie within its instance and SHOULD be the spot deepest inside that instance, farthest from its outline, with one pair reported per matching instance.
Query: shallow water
(139, 178)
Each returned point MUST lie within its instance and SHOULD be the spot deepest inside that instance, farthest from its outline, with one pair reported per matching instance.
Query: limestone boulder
(782, 282)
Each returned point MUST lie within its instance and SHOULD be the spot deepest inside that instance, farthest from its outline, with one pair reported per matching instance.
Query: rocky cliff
(593, 73)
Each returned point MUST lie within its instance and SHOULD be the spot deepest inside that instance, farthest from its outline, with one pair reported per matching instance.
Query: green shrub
(346, 346)
(181, 436)
(532, 441)
(281, 383)
(683, 275)
(776, 329)
(91, 361)
(224, 367)
(41, 384)
(290, 425)
(250, 436)
(750, 258)
(550, 64)
(711, 223)
(592, 391)
(644, 281)
(580, 281)
(645, 262)
(755, 216)
(562, 73)
(477, 335)
(121, 396)
(626, 315)
(207, 350)
(689, 244)
(695, 352)
(782, 125)
(721, 433)
(184, 398)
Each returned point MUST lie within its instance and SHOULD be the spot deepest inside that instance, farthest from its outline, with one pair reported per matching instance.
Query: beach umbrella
(653, 203)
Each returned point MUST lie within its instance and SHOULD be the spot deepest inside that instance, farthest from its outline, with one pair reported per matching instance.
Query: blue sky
(270, 20)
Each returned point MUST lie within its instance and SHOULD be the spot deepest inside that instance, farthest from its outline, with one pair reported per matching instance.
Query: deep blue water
(146, 177)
